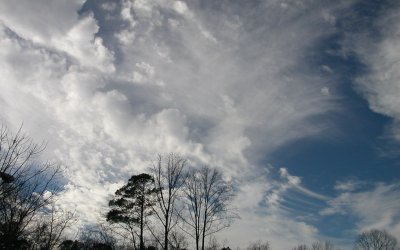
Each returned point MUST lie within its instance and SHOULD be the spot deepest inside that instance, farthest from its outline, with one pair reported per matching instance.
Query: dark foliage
(133, 204)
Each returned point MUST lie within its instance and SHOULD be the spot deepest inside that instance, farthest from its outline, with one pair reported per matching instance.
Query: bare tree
(168, 180)
(99, 236)
(213, 244)
(259, 246)
(376, 240)
(301, 247)
(26, 186)
(318, 245)
(322, 245)
(49, 228)
(177, 240)
(208, 197)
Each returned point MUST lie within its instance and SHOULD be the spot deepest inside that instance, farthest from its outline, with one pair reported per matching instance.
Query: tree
(71, 245)
(177, 240)
(26, 186)
(49, 227)
(259, 246)
(318, 245)
(322, 245)
(168, 178)
(98, 237)
(133, 204)
(301, 247)
(208, 197)
(375, 239)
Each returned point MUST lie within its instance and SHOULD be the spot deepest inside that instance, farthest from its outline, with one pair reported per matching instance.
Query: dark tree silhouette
(26, 186)
(133, 204)
(169, 178)
(322, 245)
(259, 246)
(48, 229)
(318, 245)
(301, 247)
(208, 197)
(376, 240)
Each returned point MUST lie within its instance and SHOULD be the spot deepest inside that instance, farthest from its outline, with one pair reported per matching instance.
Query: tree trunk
(166, 231)
(203, 236)
(141, 223)
(197, 242)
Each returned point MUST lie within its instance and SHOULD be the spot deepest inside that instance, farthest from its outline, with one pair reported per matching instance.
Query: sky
(296, 101)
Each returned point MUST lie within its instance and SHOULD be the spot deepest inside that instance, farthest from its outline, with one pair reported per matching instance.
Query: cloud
(223, 85)
(348, 185)
(379, 52)
(42, 20)
(375, 207)
(56, 25)
(266, 214)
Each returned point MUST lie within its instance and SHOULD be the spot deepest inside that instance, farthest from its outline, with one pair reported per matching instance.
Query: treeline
(167, 207)
(369, 240)
(171, 201)
(160, 208)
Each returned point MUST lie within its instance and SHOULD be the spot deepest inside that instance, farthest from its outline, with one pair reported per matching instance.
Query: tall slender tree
(169, 177)
(208, 197)
(133, 204)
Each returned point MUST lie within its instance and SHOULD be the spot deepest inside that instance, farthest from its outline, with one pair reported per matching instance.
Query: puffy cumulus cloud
(247, 89)
(57, 25)
(27, 72)
(81, 44)
(376, 206)
(381, 56)
(222, 84)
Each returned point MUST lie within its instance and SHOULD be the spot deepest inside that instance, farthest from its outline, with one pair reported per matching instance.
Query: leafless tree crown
(208, 198)
(376, 240)
(27, 185)
(169, 177)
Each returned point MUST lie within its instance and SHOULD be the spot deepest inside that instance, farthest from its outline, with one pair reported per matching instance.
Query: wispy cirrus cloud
(375, 206)
(278, 210)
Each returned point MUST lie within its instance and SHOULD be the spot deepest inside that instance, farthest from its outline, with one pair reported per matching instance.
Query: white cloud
(41, 20)
(57, 25)
(380, 85)
(109, 6)
(375, 207)
(224, 90)
(325, 91)
(180, 7)
(348, 185)
(263, 215)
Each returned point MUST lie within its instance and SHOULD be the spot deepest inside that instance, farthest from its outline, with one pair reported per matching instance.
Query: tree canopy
(133, 204)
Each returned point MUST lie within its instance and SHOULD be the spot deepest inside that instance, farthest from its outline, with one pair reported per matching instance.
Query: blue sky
(295, 101)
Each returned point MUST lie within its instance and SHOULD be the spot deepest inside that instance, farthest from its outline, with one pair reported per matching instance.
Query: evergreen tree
(133, 204)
